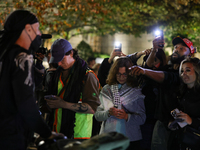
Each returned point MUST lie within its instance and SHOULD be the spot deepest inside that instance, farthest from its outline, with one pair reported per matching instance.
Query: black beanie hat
(17, 20)
(14, 25)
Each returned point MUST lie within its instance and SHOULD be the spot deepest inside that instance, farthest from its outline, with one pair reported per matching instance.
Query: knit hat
(14, 25)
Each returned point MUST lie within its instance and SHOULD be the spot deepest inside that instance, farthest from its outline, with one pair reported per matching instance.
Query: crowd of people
(78, 99)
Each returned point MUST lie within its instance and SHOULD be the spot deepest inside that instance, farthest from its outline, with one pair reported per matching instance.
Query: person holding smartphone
(105, 66)
(169, 82)
(117, 52)
(75, 90)
(188, 105)
(122, 104)
(156, 60)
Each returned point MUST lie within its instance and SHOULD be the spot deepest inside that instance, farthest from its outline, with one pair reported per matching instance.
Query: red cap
(187, 42)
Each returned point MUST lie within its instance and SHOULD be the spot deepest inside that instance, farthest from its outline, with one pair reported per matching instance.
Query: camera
(42, 49)
(118, 46)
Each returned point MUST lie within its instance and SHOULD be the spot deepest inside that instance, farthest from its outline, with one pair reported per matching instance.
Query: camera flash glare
(157, 32)
(117, 44)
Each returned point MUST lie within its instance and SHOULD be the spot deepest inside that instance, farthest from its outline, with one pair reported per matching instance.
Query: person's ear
(28, 27)
(190, 54)
(72, 53)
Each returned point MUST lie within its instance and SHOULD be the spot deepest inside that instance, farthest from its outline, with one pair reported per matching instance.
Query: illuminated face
(122, 75)
(67, 62)
(188, 74)
(179, 53)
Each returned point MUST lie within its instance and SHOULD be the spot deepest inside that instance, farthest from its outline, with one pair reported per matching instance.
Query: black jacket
(189, 103)
(167, 90)
(19, 112)
(103, 71)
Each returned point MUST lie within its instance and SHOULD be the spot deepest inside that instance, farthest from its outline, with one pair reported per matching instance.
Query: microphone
(46, 36)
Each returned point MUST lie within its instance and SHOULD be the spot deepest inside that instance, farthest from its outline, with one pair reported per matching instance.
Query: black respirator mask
(35, 44)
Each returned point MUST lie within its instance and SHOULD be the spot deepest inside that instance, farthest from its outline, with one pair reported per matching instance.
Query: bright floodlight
(157, 32)
(117, 44)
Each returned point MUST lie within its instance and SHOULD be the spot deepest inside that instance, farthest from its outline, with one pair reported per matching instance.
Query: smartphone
(118, 46)
(161, 34)
(174, 113)
(162, 37)
(180, 121)
(51, 97)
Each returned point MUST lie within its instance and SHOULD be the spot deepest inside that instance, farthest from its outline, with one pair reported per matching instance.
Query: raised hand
(136, 70)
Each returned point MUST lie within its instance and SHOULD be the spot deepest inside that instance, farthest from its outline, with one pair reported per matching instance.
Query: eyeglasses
(124, 75)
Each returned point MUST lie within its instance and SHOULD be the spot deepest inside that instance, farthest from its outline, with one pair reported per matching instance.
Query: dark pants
(160, 137)
(147, 132)
(134, 145)
(95, 127)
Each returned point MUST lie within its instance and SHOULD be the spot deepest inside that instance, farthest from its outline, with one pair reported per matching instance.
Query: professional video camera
(42, 49)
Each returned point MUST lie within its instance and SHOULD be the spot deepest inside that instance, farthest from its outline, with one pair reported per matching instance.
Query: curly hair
(196, 64)
(121, 62)
(75, 53)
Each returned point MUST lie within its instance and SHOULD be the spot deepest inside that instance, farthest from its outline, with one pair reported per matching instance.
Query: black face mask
(35, 44)
(178, 59)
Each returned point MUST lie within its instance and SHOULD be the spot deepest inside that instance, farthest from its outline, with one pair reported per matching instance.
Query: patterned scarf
(116, 96)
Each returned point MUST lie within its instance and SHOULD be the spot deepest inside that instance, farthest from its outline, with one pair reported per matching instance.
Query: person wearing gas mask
(169, 82)
(19, 113)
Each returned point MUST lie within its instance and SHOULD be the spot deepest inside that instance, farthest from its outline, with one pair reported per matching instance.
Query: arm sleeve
(103, 71)
(101, 114)
(25, 101)
(139, 115)
(196, 123)
(133, 58)
(91, 91)
(171, 78)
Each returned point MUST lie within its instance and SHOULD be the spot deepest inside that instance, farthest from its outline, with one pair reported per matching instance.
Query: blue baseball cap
(58, 50)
